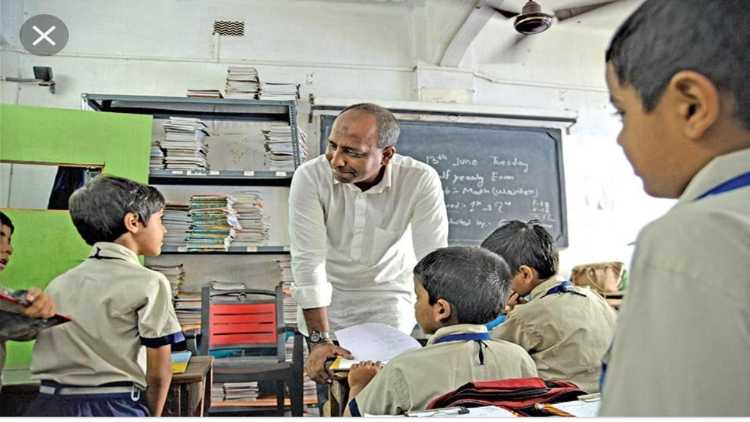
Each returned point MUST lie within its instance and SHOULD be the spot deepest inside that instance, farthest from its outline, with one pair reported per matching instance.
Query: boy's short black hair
(664, 37)
(99, 207)
(474, 281)
(527, 244)
(5, 221)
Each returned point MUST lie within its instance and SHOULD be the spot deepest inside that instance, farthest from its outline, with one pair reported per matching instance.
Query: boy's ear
(697, 101)
(442, 311)
(131, 222)
(528, 276)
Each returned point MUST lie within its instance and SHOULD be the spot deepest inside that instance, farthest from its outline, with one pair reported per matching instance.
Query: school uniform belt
(113, 389)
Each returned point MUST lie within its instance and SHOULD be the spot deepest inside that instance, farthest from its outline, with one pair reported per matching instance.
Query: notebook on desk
(180, 361)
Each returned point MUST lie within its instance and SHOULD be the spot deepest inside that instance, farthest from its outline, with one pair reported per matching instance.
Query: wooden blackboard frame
(562, 239)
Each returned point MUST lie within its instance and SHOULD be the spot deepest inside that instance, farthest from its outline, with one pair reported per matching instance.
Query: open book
(372, 341)
(15, 325)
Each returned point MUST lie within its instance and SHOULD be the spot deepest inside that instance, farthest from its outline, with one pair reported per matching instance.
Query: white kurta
(351, 251)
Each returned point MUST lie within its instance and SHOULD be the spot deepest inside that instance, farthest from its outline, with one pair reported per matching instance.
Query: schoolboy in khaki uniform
(677, 72)
(458, 291)
(97, 365)
(565, 328)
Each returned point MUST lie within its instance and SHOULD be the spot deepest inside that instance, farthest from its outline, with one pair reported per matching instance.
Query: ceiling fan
(532, 20)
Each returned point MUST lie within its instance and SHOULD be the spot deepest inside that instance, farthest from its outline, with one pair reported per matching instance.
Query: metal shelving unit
(209, 109)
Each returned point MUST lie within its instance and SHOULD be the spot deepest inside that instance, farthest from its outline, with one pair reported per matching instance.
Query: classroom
(345, 208)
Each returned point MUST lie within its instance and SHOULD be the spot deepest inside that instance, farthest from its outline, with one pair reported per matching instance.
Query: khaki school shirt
(117, 306)
(411, 379)
(566, 334)
(682, 344)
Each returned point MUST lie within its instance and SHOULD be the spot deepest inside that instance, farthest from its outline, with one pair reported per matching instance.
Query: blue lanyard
(478, 337)
(564, 287)
(734, 183)
(463, 337)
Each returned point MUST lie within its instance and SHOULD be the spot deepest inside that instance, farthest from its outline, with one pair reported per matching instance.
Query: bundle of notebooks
(235, 391)
(249, 208)
(177, 222)
(184, 144)
(213, 222)
(156, 159)
(279, 152)
(280, 91)
(290, 305)
(187, 306)
(242, 82)
(174, 273)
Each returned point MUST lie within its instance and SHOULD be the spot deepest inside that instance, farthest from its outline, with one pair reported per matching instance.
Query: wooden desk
(189, 394)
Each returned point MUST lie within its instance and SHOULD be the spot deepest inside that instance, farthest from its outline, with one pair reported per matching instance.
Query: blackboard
(490, 174)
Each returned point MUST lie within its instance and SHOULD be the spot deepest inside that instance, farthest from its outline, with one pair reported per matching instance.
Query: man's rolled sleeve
(430, 218)
(307, 235)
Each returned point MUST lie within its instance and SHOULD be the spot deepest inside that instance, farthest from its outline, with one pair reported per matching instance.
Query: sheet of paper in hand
(373, 341)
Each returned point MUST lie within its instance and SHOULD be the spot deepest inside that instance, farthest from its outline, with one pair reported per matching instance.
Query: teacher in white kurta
(350, 212)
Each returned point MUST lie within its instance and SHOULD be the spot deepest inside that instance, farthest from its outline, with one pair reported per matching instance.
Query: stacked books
(290, 305)
(184, 143)
(279, 153)
(213, 222)
(174, 273)
(156, 160)
(204, 93)
(242, 82)
(177, 222)
(187, 306)
(249, 208)
(239, 390)
(280, 91)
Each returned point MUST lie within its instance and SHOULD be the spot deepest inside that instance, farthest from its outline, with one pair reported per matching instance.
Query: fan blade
(507, 13)
(572, 12)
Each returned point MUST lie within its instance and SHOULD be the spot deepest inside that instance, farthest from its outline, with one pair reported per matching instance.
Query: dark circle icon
(44, 35)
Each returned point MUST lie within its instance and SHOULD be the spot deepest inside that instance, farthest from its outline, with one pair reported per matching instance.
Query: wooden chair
(234, 320)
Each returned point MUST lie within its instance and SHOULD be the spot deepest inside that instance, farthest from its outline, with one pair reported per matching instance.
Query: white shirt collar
(456, 329)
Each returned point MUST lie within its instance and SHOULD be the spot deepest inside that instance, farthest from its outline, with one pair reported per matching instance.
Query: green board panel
(46, 243)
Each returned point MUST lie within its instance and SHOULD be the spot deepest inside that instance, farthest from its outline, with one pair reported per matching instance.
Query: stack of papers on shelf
(184, 144)
(174, 273)
(177, 222)
(156, 161)
(204, 93)
(279, 153)
(249, 209)
(283, 91)
(240, 390)
(187, 305)
(213, 222)
(242, 82)
(290, 305)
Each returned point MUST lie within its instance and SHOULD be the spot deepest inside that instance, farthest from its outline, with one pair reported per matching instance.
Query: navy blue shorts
(118, 404)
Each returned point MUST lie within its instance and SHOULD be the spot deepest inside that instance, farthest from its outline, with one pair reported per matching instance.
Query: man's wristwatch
(319, 337)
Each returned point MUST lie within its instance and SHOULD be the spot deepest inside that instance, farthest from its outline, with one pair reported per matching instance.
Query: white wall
(383, 51)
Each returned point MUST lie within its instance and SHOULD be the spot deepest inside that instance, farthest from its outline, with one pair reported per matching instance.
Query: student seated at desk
(40, 304)
(458, 291)
(565, 328)
(97, 365)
